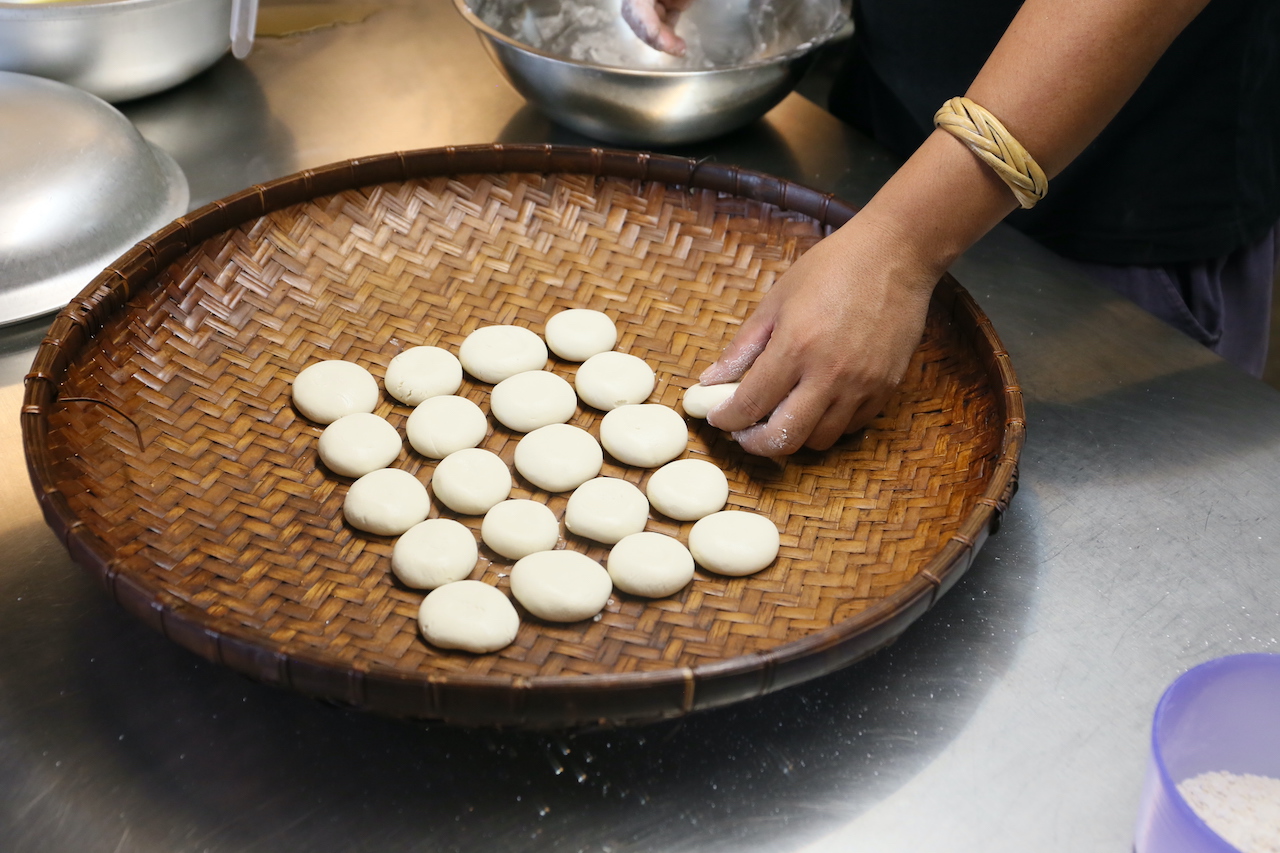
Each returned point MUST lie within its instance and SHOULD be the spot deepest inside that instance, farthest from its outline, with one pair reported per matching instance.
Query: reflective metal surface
(116, 49)
(81, 186)
(571, 72)
(1015, 716)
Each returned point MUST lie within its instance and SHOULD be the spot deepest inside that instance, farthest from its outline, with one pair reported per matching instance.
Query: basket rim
(219, 639)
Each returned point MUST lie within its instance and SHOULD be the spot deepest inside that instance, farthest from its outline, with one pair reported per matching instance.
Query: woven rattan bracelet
(987, 137)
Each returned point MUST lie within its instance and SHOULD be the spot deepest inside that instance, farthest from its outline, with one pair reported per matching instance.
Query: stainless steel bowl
(576, 61)
(116, 49)
(81, 186)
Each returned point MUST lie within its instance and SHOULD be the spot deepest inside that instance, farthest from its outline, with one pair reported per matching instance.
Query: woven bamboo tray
(166, 455)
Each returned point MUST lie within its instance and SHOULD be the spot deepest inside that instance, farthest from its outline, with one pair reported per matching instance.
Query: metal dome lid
(80, 186)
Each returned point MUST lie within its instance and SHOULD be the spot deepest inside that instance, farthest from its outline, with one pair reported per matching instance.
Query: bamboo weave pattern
(196, 471)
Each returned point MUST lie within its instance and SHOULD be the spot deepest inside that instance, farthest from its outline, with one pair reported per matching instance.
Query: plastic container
(1223, 715)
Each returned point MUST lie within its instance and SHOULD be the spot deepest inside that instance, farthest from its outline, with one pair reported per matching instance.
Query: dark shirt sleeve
(1189, 169)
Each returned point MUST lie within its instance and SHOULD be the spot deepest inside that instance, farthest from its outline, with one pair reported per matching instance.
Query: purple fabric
(1224, 303)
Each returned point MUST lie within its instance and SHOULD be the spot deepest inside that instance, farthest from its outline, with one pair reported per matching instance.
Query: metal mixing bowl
(81, 186)
(116, 49)
(577, 61)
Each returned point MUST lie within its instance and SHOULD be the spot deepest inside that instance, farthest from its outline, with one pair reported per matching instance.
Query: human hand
(654, 21)
(827, 345)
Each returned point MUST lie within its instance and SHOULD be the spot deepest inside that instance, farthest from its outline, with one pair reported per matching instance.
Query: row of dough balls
(438, 554)
(606, 379)
(566, 586)
(606, 510)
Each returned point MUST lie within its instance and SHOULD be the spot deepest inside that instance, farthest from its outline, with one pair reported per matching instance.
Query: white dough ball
(558, 457)
(701, 399)
(734, 542)
(611, 379)
(561, 586)
(532, 399)
(576, 334)
(646, 435)
(688, 489)
(419, 373)
(468, 615)
(606, 509)
(328, 390)
(433, 553)
(358, 443)
(518, 528)
(471, 481)
(387, 502)
(650, 564)
(492, 353)
(439, 426)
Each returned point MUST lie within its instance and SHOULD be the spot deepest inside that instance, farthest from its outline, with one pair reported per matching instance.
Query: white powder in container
(1242, 808)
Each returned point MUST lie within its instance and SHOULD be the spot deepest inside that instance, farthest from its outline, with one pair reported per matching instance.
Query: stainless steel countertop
(1013, 717)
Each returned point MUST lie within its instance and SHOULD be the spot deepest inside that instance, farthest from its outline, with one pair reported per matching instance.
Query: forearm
(1063, 70)
(834, 335)
(938, 204)
(1057, 77)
